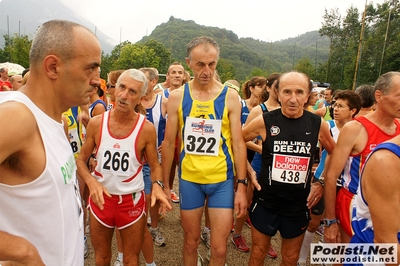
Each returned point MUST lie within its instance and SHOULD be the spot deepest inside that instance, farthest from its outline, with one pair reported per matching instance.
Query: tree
(304, 65)
(108, 61)
(258, 72)
(331, 28)
(226, 70)
(136, 56)
(16, 50)
(162, 53)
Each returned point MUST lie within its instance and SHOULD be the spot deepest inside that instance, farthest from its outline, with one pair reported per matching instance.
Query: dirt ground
(171, 253)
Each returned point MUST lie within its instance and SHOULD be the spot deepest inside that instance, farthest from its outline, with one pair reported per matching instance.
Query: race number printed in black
(290, 169)
(116, 161)
(202, 136)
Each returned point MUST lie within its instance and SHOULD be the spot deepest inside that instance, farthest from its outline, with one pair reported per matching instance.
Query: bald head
(16, 82)
(56, 37)
(300, 79)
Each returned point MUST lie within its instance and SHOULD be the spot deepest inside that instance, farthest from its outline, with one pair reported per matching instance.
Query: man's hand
(157, 193)
(254, 181)
(241, 201)
(92, 163)
(315, 195)
(332, 234)
(97, 192)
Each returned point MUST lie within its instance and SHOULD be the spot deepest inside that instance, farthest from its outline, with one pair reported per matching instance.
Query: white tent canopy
(12, 68)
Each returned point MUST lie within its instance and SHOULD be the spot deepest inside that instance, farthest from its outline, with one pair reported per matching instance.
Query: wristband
(159, 182)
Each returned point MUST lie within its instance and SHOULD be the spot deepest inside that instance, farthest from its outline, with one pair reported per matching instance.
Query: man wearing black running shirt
(283, 195)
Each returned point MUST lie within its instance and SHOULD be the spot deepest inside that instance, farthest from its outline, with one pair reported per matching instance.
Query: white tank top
(118, 167)
(46, 211)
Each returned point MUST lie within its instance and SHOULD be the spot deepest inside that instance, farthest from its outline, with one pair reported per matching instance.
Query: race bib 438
(290, 169)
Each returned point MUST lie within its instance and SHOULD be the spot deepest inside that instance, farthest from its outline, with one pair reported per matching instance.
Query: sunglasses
(110, 86)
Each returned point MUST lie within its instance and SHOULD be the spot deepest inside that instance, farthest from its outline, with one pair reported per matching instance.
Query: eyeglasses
(339, 106)
(109, 86)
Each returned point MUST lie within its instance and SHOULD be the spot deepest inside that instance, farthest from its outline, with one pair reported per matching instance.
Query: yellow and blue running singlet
(206, 155)
(74, 129)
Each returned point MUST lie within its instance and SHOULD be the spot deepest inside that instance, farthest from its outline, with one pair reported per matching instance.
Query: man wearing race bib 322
(284, 194)
(206, 116)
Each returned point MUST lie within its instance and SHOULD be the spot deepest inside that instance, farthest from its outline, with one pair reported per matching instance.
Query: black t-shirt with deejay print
(287, 159)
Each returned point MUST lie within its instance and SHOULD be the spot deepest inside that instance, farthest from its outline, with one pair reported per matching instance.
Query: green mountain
(245, 54)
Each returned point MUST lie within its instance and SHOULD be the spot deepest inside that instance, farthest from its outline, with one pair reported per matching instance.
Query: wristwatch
(321, 181)
(242, 181)
(329, 222)
(159, 182)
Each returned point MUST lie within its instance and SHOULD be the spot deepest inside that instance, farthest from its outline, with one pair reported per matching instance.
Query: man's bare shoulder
(381, 163)
(148, 132)
(22, 152)
(352, 126)
(177, 91)
(233, 93)
(9, 111)
(353, 136)
(96, 120)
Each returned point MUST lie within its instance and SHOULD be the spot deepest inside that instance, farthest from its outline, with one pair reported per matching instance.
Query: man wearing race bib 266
(124, 142)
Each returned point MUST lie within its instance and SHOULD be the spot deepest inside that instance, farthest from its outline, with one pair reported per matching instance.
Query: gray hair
(383, 83)
(201, 40)
(150, 72)
(367, 95)
(53, 37)
(136, 75)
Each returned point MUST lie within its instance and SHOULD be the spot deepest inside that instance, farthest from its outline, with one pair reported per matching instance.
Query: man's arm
(15, 139)
(164, 104)
(320, 112)
(17, 249)
(333, 168)
(96, 190)
(253, 129)
(6, 86)
(325, 137)
(149, 133)
(328, 143)
(171, 131)
(255, 112)
(253, 146)
(381, 188)
(16, 134)
(98, 110)
(84, 116)
(239, 152)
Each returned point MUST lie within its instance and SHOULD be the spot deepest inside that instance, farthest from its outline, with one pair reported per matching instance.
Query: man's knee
(290, 257)
(259, 251)
(257, 255)
(131, 260)
(219, 252)
(102, 259)
(192, 242)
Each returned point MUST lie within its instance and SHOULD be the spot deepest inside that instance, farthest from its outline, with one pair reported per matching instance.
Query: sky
(265, 20)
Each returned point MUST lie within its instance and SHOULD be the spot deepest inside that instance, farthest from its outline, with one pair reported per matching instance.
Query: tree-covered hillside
(244, 54)
(346, 51)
